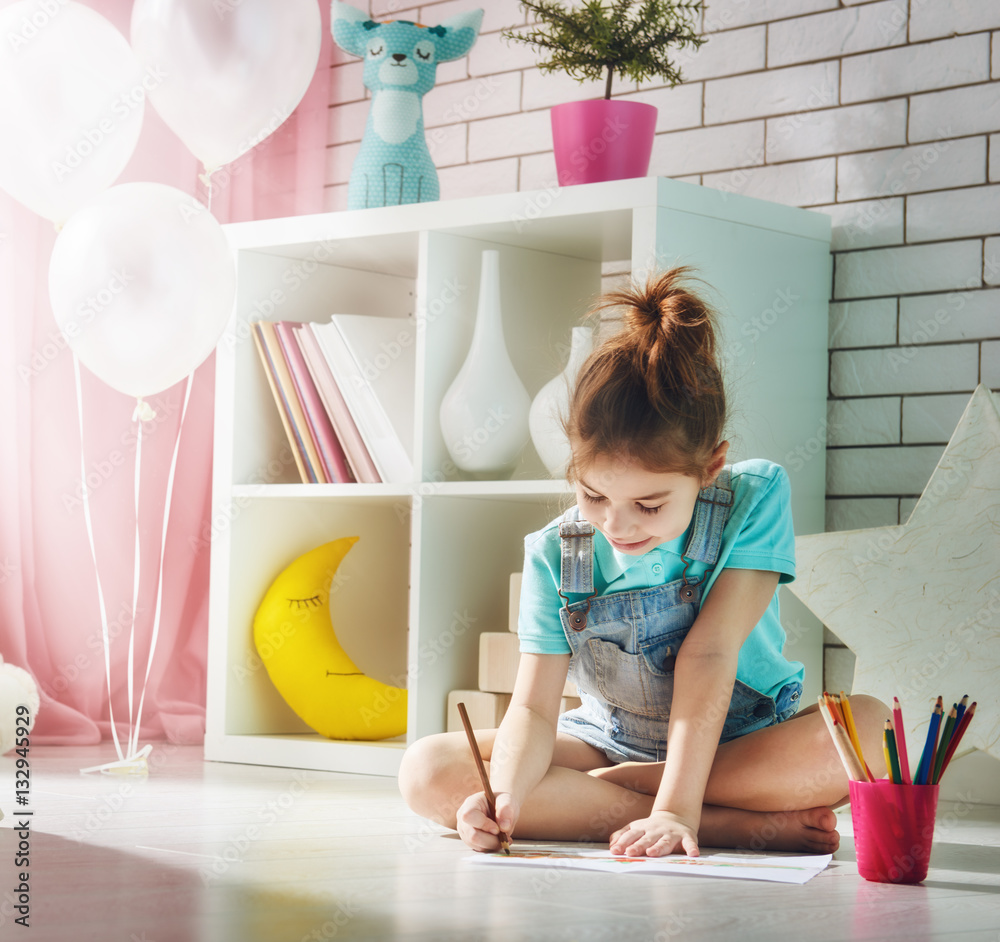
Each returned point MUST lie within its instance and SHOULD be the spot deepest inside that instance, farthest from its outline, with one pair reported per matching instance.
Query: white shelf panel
(376, 492)
(308, 751)
(498, 488)
(372, 492)
(588, 221)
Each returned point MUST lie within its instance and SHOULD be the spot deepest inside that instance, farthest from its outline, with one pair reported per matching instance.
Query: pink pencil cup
(893, 830)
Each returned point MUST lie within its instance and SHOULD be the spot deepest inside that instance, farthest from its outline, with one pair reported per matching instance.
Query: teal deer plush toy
(394, 165)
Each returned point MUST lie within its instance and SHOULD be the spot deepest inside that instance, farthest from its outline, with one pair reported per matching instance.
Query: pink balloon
(232, 70)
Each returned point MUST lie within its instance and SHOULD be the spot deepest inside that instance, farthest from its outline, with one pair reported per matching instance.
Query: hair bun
(653, 390)
(669, 333)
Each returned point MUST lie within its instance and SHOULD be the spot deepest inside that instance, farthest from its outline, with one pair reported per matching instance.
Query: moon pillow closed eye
(297, 642)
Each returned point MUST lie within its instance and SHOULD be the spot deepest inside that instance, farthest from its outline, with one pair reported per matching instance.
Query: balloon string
(136, 570)
(206, 178)
(93, 555)
(159, 577)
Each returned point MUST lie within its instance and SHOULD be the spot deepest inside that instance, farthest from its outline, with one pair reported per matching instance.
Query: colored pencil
(927, 756)
(835, 710)
(904, 760)
(484, 778)
(852, 731)
(962, 706)
(834, 707)
(956, 738)
(892, 756)
(888, 761)
(842, 742)
(949, 728)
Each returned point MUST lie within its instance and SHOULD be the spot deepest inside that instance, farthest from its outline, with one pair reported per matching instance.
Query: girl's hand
(662, 833)
(478, 829)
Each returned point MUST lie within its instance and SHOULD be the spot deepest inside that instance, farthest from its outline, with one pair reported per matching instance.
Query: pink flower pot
(602, 140)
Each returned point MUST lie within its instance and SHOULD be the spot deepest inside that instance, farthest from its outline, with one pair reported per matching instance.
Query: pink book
(331, 455)
(358, 458)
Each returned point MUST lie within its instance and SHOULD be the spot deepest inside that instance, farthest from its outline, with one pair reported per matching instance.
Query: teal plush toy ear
(347, 27)
(394, 165)
(461, 32)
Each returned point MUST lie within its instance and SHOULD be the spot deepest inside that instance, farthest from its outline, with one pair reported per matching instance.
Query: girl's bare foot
(812, 830)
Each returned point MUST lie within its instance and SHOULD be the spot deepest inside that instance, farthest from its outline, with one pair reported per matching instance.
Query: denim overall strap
(576, 563)
(710, 515)
(711, 511)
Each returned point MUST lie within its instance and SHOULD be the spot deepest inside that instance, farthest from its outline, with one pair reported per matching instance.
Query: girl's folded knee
(427, 774)
(869, 710)
(420, 761)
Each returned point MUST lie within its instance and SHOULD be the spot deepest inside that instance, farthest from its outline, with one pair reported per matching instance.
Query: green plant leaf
(597, 39)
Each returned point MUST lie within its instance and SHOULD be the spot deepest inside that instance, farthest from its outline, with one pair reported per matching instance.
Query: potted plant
(608, 139)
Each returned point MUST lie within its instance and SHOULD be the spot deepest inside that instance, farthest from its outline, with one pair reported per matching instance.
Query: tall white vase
(484, 413)
(551, 406)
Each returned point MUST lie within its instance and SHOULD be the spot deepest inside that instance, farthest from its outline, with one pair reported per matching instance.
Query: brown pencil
(490, 799)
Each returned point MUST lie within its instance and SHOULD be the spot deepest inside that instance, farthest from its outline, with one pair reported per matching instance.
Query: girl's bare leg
(791, 765)
(769, 789)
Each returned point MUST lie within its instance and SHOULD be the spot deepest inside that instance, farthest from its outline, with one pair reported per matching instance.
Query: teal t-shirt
(757, 535)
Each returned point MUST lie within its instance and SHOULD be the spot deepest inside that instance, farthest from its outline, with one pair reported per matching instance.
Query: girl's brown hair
(653, 392)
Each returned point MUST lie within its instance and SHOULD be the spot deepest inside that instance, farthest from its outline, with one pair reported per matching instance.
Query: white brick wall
(865, 223)
(772, 92)
(880, 471)
(725, 14)
(953, 214)
(836, 130)
(928, 419)
(917, 368)
(954, 113)
(913, 169)
(916, 68)
(870, 421)
(837, 33)
(930, 20)
(957, 315)
(907, 270)
(870, 323)
(883, 114)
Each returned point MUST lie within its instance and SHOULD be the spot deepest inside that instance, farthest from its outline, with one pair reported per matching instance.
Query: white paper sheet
(732, 866)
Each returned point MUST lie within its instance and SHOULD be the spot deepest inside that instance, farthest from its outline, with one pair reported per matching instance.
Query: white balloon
(233, 70)
(142, 284)
(70, 108)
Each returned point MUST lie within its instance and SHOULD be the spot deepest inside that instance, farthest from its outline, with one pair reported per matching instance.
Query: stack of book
(344, 391)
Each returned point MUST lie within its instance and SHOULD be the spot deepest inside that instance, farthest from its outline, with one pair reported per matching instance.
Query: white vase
(484, 413)
(551, 406)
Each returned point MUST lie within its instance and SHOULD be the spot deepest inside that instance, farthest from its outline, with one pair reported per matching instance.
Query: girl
(658, 592)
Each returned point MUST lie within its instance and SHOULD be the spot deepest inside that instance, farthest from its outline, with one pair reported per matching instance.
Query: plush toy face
(397, 57)
(400, 53)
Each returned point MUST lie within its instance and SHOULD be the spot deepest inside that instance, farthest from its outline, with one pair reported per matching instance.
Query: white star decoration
(919, 604)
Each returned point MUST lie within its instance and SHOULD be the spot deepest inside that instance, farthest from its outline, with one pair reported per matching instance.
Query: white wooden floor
(209, 851)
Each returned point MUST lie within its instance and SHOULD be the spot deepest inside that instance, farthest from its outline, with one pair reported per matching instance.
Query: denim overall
(624, 644)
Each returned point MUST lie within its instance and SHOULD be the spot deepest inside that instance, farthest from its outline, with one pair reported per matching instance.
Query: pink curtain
(49, 616)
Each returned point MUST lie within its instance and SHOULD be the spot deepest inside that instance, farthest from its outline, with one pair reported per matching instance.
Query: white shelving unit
(431, 569)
